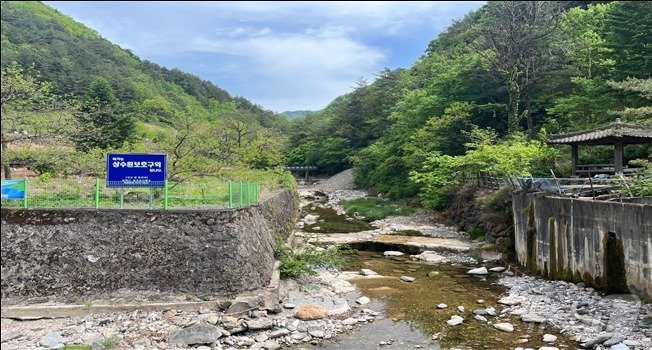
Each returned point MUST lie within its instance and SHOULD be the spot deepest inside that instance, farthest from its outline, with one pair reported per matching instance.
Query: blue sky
(281, 55)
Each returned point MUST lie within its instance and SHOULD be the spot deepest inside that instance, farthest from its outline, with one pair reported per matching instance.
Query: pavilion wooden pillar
(574, 157)
(618, 157)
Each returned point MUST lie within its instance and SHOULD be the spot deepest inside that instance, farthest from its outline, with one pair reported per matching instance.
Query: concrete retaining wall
(565, 238)
(83, 252)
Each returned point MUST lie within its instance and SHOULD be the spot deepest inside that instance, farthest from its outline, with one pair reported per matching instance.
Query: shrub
(295, 264)
(375, 208)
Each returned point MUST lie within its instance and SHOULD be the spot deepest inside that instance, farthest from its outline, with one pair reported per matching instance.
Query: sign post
(136, 170)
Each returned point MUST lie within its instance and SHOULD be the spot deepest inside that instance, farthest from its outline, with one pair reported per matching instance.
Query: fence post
(165, 195)
(25, 196)
(241, 188)
(97, 193)
(230, 195)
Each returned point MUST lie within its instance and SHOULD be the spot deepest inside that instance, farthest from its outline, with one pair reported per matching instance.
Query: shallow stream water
(410, 317)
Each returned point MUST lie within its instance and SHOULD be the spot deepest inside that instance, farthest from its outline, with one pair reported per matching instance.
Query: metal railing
(94, 193)
(574, 187)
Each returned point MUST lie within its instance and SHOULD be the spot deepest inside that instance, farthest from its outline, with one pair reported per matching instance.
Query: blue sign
(136, 170)
(13, 189)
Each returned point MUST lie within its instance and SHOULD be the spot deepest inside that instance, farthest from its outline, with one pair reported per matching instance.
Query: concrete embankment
(604, 244)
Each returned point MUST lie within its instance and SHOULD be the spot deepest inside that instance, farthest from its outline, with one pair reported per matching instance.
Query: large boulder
(311, 312)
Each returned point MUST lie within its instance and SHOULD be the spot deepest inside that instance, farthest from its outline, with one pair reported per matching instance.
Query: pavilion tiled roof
(625, 133)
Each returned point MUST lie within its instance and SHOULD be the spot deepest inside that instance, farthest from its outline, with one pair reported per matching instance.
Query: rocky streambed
(434, 289)
(449, 293)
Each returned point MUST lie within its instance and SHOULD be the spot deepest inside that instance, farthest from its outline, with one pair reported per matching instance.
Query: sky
(281, 55)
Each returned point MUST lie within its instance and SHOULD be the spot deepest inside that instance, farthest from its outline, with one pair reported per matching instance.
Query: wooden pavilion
(616, 134)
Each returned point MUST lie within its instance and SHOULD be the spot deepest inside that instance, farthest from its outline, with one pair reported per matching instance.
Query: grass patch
(110, 342)
(408, 233)
(295, 264)
(77, 347)
(477, 233)
(375, 208)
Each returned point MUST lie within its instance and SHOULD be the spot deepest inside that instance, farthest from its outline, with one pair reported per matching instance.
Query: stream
(409, 314)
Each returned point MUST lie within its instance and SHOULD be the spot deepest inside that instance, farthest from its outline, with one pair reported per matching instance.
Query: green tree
(628, 34)
(103, 122)
(516, 45)
(29, 111)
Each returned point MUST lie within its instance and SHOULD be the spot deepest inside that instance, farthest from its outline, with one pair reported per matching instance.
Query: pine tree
(103, 121)
(628, 33)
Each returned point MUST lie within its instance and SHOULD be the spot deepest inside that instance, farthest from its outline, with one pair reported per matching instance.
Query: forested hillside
(69, 96)
(296, 114)
(484, 96)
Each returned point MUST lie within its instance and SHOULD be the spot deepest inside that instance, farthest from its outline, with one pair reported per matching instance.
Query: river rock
(598, 340)
(460, 308)
(271, 345)
(620, 346)
(367, 272)
(316, 332)
(349, 321)
(442, 306)
(392, 253)
(548, 348)
(433, 274)
(242, 304)
(197, 334)
(260, 323)
(289, 305)
(632, 342)
(299, 336)
(310, 219)
(497, 269)
(532, 318)
(478, 271)
(278, 333)
(433, 257)
(511, 301)
(311, 312)
(52, 340)
(11, 335)
(480, 318)
(505, 327)
(455, 320)
(549, 338)
(407, 279)
(362, 300)
(613, 341)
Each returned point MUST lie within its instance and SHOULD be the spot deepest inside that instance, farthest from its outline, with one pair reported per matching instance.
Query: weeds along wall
(64, 253)
(607, 245)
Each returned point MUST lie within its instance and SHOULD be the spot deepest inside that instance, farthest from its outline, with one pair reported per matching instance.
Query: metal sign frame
(147, 170)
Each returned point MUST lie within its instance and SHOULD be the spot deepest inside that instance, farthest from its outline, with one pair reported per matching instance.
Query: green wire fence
(93, 193)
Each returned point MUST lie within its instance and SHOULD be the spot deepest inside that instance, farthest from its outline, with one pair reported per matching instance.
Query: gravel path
(340, 181)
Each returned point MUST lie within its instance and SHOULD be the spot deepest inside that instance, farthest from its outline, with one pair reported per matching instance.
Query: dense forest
(484, 96)
(69, 96)
(481, 99)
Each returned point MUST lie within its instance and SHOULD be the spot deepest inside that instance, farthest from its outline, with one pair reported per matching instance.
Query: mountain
(71, 56)
(115, 100)
(296, 114)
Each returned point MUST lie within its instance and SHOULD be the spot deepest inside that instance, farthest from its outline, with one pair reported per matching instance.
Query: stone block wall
(64, 252)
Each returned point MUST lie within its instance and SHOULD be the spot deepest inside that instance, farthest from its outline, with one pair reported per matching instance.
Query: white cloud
(283, 55)
(302, 70)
